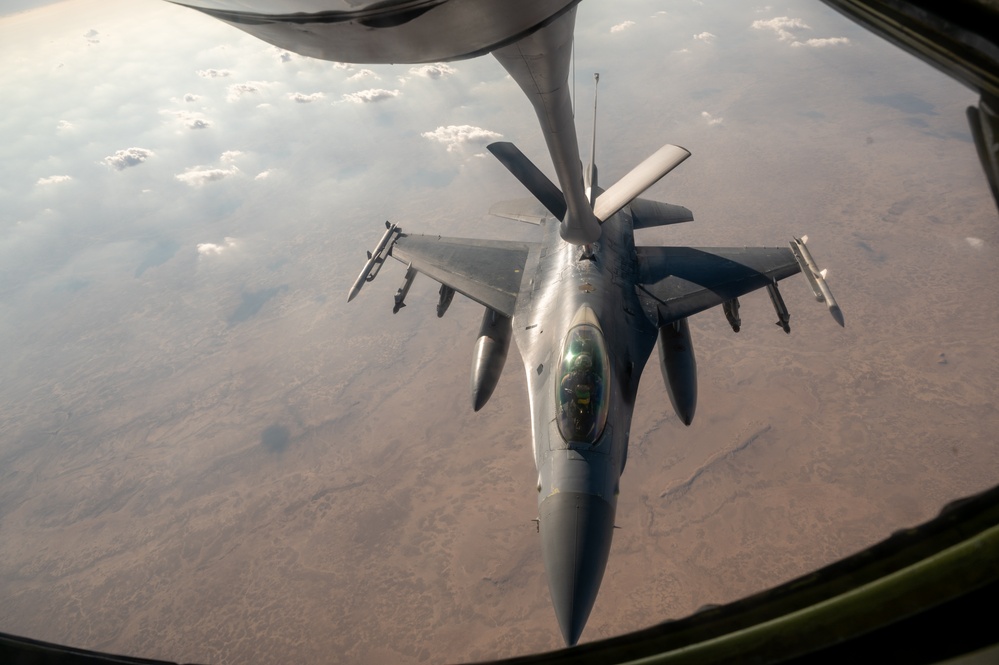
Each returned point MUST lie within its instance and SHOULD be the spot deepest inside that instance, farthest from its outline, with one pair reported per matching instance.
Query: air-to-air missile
(783, 316)
(375, 260)
(444, 301)
(731, 309)
(816, 277)
(400, 295)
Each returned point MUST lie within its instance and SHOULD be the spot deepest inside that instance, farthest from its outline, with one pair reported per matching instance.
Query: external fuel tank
(489, 356)
(676, 360)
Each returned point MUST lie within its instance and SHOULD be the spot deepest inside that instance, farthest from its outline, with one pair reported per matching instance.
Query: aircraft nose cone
(576, 531)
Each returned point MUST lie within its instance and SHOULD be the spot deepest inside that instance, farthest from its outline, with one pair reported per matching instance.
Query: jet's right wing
(676, 282)
(487, 271)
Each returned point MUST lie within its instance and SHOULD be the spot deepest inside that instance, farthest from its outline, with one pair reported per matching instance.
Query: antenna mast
(591, 171)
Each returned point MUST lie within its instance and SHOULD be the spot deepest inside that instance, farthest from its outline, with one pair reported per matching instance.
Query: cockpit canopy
(583, 384)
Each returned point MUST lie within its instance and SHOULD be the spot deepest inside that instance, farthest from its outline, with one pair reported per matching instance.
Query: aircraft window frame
(581, 392)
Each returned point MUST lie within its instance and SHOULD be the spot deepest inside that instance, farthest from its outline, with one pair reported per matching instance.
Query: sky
(208, 455)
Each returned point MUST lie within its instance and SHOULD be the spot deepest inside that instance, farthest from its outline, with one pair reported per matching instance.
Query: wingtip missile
(816, 278)
(837, 314)
(375, 259)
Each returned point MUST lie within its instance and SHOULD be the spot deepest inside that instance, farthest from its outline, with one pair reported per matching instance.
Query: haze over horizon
(208, 456)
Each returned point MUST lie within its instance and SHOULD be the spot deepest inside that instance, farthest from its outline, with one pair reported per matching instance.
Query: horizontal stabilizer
(638, 180)
(529, 211)
(530, 176)
(647, 213)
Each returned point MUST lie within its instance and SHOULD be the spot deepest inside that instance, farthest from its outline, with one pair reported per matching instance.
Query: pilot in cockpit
(580, 387)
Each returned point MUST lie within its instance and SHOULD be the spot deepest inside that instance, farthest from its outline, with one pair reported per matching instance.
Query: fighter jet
(585, 318)
(585, 305)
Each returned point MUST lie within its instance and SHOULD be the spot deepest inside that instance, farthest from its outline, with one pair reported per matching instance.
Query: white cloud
(785, 28)
(454, 136)
(92, 36)
(237, 90)
(263, 175)
(213, 73)
(711, 120)
(622, 26)
(212, 249)
(302, 98)
(189, 119)
(191, 97)
(122, 159)
(53, 180)
(364, 74)
(65, 126)
(782, 25)
(705, 37)
(372, 95)
(977, 243)
(230, 156)
(284, 56)
(437, 70)
(198, 176)
(825, 41)
(342, 65)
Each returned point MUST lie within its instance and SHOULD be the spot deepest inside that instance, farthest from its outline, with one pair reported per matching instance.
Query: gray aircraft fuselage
(578, 479)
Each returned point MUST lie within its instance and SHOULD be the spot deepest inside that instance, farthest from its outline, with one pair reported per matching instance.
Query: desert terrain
(213, 458)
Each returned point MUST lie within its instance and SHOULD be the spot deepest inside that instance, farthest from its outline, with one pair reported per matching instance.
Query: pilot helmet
(583, 362)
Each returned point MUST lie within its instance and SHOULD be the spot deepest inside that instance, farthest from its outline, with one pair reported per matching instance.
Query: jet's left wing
(487, 271)
(676, 282)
